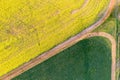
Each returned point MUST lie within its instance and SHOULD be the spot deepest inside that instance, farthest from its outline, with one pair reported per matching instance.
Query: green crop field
(30, 27)
(112, 26)
(89, 59)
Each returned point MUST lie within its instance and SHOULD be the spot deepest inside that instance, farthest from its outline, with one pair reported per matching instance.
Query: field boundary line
(113, 50)
(47, 55)
(58, 48)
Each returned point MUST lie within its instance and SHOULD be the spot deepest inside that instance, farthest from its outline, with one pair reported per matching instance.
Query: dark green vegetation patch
(89, 59)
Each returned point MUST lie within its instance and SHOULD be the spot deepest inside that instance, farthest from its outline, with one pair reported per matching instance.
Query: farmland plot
(29, 28)
(89, 59)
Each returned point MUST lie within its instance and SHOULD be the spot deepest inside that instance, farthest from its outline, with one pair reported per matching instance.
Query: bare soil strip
(77, 10)
(65, 45)
(61, 47)
(113, 54)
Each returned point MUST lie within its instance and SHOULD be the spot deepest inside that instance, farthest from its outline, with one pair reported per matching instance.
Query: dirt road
(67, 44)
(61, 47)
(113, 54)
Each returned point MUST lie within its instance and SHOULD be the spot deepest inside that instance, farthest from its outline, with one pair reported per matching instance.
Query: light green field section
(109, 26)
(30, 27)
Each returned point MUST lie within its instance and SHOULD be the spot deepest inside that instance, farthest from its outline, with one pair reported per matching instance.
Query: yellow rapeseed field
(30, 27)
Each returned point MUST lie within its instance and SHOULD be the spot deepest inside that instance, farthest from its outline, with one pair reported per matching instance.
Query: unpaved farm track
(68, 43)
(47, 55)
(113, 50)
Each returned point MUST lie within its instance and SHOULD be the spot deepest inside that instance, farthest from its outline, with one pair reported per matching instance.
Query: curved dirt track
(67, 44)
(84, 4)
(113, 50)
(49, 54)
